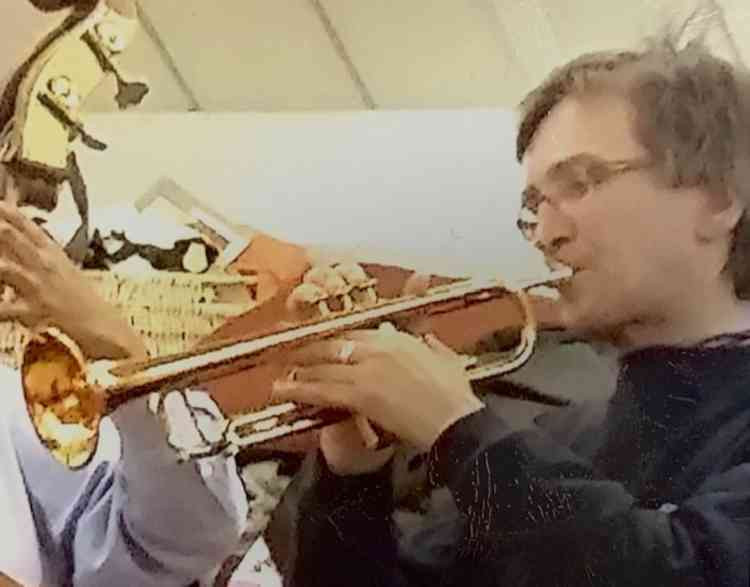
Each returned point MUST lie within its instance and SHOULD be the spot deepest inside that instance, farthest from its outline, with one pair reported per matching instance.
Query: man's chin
(585, 323)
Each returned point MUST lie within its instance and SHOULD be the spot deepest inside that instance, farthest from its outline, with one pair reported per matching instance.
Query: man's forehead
(599, 125)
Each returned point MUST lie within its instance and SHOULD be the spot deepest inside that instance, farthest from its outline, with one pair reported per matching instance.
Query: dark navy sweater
(651, 489)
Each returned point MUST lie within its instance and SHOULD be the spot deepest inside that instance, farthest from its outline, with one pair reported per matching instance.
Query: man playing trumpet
(637, 172)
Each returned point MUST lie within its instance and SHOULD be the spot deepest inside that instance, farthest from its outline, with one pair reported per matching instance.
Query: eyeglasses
(569, 180)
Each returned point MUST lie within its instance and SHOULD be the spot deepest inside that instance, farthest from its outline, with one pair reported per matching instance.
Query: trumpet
(66, 397)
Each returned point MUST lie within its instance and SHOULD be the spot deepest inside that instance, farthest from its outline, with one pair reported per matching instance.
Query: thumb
(443, 350)
(439, 346)
(369, 436)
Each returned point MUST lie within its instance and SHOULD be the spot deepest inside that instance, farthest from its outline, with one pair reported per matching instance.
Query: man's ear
(719, 215)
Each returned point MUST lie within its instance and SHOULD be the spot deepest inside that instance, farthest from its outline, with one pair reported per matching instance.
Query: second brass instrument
(67, 398)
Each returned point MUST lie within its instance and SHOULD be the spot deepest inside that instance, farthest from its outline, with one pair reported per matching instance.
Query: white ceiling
(298, 55)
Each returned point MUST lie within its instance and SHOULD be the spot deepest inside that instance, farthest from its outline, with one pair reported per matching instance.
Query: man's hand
(348, 447)
(51, 291)
(346, 453)
(412, 388)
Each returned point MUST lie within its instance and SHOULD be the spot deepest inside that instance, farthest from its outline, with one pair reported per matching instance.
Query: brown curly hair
(692, 114)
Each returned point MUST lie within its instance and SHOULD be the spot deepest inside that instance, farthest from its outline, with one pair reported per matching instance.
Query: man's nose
(554, 230)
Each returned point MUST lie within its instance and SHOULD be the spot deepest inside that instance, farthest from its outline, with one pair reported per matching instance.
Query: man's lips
(555, 265)
(567, 272)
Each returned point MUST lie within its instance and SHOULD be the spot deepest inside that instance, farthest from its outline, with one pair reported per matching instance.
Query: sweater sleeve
(543, 511)
(142, 519)
(335, 531)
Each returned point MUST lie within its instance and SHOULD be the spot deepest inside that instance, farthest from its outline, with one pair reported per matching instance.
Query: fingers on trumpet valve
(308, 300)
(361, 285)
(327, 278)
(333, 285)
(326, 289)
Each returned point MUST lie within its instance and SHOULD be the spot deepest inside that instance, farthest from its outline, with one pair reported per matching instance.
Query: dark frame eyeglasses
(574, 178)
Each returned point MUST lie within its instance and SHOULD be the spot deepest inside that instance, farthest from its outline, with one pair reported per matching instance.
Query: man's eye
(599, 174)
(531, 201)
(576, 188)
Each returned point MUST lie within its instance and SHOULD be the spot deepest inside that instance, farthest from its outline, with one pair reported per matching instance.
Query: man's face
(630, 239)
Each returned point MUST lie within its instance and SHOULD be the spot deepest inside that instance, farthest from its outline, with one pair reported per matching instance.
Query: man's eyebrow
(572, 160)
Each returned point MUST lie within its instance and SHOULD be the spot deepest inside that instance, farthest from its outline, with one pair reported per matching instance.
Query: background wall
(435, 187)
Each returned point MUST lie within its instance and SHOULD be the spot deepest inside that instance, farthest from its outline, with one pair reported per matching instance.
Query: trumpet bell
(64, 409)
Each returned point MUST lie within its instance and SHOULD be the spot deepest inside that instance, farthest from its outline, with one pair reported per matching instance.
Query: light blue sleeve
(143, 519)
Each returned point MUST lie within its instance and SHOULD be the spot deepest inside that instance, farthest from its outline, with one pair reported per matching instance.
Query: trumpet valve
(307, 301)
(326, 278)
(362, 286)
(348, 303)
(365, 295)
(353, 273)
(335, 289)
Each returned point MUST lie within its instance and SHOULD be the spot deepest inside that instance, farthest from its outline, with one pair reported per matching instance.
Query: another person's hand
(412, 388)
(51, 291)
